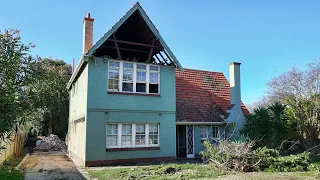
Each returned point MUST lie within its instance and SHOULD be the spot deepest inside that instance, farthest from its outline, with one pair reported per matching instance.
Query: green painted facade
(106, 108)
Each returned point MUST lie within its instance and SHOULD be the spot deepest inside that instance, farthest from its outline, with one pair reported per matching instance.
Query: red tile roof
(202, 96)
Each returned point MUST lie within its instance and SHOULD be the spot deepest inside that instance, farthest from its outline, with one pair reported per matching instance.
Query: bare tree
(299, 89)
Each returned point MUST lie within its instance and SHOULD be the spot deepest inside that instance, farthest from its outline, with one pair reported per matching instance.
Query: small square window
(154, 68)
(141, 67)
(153, 88)
(128, 65)
(127, 87)
(140, 87)
(114, 64)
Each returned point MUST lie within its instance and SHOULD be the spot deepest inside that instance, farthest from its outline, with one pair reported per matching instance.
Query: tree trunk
(50, 127)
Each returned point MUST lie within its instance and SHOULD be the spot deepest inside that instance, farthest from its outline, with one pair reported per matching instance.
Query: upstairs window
(133, 77)
(154, 79)
(141, 78)
(113, 76)
(127, 79)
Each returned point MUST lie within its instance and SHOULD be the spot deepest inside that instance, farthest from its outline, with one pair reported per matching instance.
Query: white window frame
(205, 130)
(133, 143)
(113, 135)
(213, 132)
(120, 76)
(121, 69)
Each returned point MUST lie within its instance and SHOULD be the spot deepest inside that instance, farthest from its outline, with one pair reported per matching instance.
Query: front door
(181, 141)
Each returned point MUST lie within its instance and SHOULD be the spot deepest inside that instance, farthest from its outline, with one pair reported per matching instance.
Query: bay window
(132, 135)
(133, 77)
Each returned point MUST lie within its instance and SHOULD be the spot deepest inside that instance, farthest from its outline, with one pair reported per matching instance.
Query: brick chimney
(235, 85)
(87, 33)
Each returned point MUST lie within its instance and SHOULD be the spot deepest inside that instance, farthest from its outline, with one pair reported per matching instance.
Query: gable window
(133, 77)
(132, 135)
(141, 78)
(113, 76)
(127, 79)
(154, 79)
(204, 132)
(215, 130)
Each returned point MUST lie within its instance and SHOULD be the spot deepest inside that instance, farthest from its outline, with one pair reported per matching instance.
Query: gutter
(74, 74)
(201, 123)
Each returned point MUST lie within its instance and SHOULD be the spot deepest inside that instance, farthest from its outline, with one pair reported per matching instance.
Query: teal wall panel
(96, 134)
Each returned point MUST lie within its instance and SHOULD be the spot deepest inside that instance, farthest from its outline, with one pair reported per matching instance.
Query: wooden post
(117, 47)
(151, 51)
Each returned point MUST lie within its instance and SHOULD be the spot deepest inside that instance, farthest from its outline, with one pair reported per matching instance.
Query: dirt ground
(54, 165)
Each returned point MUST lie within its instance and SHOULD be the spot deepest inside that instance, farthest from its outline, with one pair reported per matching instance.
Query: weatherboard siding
(77, 119)
(104, 108)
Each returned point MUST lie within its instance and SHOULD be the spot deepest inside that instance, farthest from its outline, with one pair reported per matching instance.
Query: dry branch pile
(52, 142)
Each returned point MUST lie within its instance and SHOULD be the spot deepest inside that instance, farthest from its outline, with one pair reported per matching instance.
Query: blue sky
(266, 37)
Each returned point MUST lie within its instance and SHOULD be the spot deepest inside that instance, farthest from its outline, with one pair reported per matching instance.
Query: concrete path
(53, 165)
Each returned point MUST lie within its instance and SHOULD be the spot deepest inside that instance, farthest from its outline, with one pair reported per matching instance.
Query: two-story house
(131, 100)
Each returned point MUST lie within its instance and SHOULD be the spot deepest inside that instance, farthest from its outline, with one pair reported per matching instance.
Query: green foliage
(15, 70)
(268, 126)
(50, 97)
(9, 173)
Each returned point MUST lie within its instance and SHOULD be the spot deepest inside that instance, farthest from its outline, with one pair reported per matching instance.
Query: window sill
(132, 149)
(132, 93)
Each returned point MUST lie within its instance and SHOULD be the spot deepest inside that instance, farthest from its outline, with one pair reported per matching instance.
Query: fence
(14, 147)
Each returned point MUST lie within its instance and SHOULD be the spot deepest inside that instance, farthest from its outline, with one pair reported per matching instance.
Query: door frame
(191, 155)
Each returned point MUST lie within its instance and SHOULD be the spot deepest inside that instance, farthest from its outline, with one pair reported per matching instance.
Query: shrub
(240, 157)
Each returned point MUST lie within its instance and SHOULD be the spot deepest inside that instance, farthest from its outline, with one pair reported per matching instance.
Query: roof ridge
(203, 70)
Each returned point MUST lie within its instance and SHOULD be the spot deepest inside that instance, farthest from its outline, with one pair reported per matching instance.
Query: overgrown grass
(165, 171)
(198, 171)
(7, 170)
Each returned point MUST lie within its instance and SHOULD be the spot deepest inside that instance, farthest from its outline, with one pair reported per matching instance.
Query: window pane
(141, 76)
(154, 68)
(141, 66)
(112, 129)
(113, 84)
(126, 140)
(140, 139)
(154, 77)
(127, 87)
(215, 132)
(140, 129)
(113, 73)
(153, 88)
(114, 64)
(140, 87)
(153, 139)
(127, 75)
(112, 140)
(126, 129)
(128, 65)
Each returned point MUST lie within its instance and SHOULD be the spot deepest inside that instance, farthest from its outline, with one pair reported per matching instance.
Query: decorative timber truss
(135, 38)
